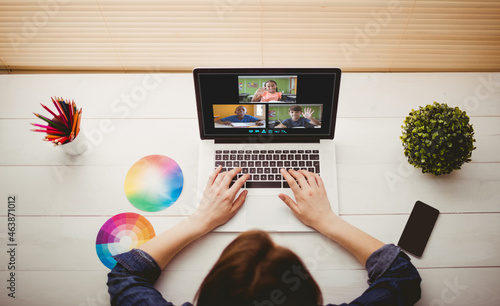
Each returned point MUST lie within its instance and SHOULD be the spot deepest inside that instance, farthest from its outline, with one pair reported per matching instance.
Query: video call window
(267, 89)
(295, 116)
(239, 115)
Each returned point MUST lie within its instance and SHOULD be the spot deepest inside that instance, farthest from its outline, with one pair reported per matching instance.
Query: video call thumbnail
(295, 116)
(267, 89)
(239, 115)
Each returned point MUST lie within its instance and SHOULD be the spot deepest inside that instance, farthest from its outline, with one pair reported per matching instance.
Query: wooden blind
(177, 35)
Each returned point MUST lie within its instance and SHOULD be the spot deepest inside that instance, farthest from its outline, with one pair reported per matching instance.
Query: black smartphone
(418, 228)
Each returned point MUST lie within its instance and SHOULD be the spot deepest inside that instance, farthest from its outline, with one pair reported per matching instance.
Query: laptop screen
(267, 103)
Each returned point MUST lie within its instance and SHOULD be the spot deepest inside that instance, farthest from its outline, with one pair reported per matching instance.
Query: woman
(252, 270)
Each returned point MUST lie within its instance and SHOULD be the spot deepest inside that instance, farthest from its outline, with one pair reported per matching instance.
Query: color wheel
(154, 183)
(121, 233)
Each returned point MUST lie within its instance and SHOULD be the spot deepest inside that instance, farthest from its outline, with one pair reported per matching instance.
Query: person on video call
(252, 269)
(240, 117)
(268, 93)
(299, 118)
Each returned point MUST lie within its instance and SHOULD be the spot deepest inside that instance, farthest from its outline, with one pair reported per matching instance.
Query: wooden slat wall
(126, 36)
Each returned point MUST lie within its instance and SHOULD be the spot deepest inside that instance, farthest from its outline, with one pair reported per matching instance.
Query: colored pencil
(65, 124)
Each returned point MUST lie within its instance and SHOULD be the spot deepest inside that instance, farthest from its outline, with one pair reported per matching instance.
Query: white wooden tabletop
(62, 201)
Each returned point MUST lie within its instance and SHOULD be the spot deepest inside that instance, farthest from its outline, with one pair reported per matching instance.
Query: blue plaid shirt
(392, 278)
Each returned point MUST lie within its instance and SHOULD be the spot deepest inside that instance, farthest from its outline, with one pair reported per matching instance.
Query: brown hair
(252, 270)
(295, 108)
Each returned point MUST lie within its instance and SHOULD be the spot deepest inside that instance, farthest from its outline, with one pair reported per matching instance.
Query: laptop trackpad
(266, 210)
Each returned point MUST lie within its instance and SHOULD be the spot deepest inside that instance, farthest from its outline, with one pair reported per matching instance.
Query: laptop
(264, 119)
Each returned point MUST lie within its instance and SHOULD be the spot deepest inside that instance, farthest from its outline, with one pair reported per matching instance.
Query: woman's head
(252, 270)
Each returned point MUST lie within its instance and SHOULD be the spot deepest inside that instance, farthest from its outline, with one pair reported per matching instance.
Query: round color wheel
(154, 183)
(121, 233)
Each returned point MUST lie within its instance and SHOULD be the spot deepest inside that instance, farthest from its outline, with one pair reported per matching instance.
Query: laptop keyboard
(264, 165)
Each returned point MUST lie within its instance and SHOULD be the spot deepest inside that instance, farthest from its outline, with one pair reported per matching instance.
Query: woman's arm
(131, 282)
(218, 205)
(314, 210)
(393, 279)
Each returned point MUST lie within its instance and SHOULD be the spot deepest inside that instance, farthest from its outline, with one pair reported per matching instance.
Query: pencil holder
(63, 130)
(78, 146)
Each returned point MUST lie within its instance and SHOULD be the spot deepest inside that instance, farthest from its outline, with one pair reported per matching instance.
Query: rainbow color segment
(121, 233)
(154, 183)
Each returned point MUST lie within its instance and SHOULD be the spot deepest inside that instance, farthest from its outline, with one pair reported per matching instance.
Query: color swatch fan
(154, 183)
(121, 233)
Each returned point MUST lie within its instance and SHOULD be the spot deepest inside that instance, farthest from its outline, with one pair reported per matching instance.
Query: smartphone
(418, 228)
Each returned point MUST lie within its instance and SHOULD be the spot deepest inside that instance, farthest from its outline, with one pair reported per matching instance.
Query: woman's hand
(218, 204)
(312, 206)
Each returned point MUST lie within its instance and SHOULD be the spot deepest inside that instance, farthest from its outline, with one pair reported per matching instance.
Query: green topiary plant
(438, 138)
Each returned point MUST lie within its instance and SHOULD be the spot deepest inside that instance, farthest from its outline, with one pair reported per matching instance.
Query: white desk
(63, 201)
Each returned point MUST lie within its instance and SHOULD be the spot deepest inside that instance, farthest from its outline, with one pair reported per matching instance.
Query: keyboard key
(218, 157)
(314, 157)
(220, 163)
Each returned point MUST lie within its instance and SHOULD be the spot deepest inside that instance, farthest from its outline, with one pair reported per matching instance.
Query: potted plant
(438, 138)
